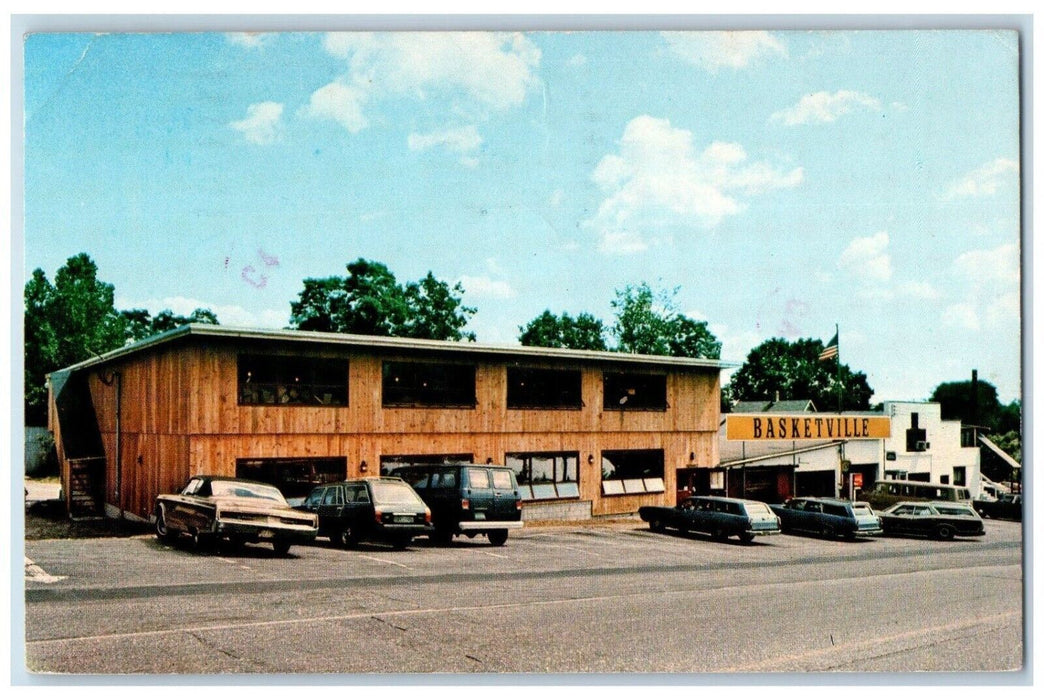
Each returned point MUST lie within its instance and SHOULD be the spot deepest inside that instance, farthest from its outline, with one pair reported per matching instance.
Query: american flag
(830, 350)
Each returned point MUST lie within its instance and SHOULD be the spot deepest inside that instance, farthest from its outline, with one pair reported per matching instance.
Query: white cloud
(484, 286)
(920, 290)
(961, 315)
(998, 267)
(462, 140)
(249, 40)
(657, 181)
(1005, 309)
(341, 103)
(825, 107)
(621, 243)
(261, 125)
(491, 70)
(867, 258)
(228, 315)
(714, 50)
(578, 61)
(986, 180)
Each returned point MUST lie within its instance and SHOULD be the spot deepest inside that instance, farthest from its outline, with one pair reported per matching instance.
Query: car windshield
(758, 509)
(392, 493)
(238, 489)
(861, 509)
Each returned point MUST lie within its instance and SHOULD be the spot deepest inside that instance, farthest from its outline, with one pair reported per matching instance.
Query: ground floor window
(632, 471)
(959, 476)
(389, 462)
(294, 477)
(545, 475)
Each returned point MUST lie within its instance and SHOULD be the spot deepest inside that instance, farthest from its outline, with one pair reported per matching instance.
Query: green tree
(41, 346)
(585, 332)
(369, 301)
(648, 323)
(139, 324)
(793, 370)
(67, 322)
(435, 310)
(958, 401)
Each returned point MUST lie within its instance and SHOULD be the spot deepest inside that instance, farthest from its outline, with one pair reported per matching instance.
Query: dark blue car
(828, 517)
(713, 515)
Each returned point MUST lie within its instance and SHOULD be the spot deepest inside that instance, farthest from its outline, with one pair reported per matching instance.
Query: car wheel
(827, 532)
(746, 538)
(656, 525)
(281, 547)
(401, 542)
(497, 538)
(201, 543)
(944, 532)
(721, 535)
(348, 538)
(442, 536)
(163, 533)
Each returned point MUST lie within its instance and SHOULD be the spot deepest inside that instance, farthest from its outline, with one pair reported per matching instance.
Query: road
(553, 600)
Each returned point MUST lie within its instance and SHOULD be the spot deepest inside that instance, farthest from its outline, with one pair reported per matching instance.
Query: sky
(782, 182)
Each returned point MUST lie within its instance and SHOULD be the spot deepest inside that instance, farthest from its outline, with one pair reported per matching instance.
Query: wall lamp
(590, 459)
(362, 466)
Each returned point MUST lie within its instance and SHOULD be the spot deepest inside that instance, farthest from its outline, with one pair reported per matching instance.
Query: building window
(294, 477)
(916, 437)
(623, 391)
(281, 380)
(529, 388)
(427, 384)
(543, 475)
(959, 476)
(389, 462)
(632, 471)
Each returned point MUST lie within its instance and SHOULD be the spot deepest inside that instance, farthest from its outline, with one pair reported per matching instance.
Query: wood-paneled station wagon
(215, 508)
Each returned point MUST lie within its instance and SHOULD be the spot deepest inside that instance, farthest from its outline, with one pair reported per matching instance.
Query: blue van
(467, 499)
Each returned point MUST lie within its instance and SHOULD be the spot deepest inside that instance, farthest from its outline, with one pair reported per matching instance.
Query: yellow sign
(807, 426)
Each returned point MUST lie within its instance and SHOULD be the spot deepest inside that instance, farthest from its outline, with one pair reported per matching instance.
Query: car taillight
(378, 515)
(465, 504)
(518, 504)
(427, 515)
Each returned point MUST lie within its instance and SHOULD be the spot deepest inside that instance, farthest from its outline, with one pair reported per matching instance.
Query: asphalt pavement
(563, 600)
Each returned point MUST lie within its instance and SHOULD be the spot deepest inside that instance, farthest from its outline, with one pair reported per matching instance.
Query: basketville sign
(751, 426)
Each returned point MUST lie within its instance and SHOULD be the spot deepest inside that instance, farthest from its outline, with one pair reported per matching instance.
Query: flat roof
(378, 343)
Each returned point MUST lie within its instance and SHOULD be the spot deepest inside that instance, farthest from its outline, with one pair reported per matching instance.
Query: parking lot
(559, 599)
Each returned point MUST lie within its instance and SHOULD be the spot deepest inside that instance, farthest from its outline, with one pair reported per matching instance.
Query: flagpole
(837, 334)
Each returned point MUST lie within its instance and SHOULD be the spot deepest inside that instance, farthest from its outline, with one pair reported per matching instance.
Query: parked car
(890, 491)
(468, 499)
(213, 508)
(713, 515)
(940, 519)
(828, 517)
(1007, 506)
(376, 509)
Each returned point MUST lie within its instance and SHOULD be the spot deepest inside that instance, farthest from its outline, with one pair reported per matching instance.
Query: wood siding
(180, 415)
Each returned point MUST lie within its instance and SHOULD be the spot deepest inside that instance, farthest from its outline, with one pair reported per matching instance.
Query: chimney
(975, 397)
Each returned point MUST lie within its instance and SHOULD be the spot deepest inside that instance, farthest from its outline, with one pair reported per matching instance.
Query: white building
(924, 447)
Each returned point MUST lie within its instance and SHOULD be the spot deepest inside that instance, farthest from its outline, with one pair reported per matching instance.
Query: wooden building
(587, 433)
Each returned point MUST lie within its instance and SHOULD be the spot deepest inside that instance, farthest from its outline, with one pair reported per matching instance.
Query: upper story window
(292, 381)
(427, 384)
(543, 388)
(623, 391)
